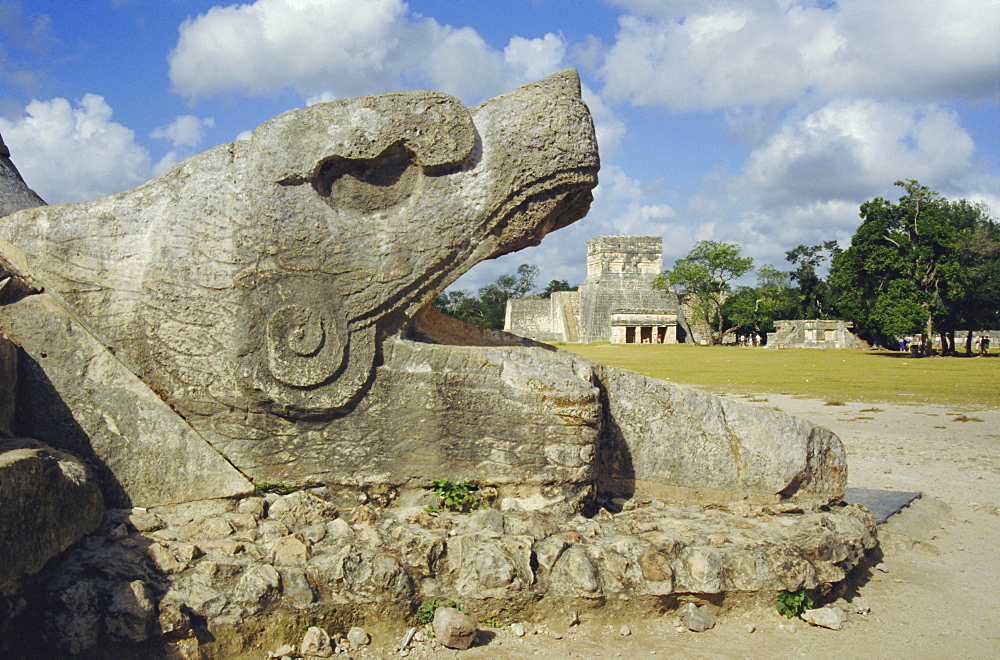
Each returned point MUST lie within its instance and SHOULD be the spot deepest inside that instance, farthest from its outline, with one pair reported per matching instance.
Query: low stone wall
(962, 335)
(530, 317)
(700, 332)
(815, 333)
(226, 578)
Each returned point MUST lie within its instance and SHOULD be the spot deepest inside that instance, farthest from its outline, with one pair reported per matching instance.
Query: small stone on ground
(316, 643)
(696, 619)
(826, 617)
(454, 628)
(358, 637)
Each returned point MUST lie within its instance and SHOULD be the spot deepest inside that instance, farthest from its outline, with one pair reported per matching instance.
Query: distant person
(902, 344)
(984, 345)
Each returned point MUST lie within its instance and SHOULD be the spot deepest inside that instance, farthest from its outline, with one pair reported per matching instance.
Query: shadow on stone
(615, 471)
(483, 638)
(42, 414)
(856, 580)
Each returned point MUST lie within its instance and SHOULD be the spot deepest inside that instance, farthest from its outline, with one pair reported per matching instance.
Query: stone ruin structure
(14, 193)
(815, 333)
(258, 319)
(615, 303)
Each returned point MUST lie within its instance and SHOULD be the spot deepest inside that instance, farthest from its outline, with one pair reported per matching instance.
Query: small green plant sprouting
(425, 613)
(430, 508)
(456, 497)
(304, 625)
(278, 488)
(793, 603)
(493, 620)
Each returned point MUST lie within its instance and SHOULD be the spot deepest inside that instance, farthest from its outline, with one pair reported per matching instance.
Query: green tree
(518, 285)
(703, 277)
(556, 285)
(814, 293)
(910, 267)
(460, 304)
(977, 305)
(755, 309)
(488, 307)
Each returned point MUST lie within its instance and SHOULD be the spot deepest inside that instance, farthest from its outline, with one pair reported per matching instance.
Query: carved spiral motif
(300, 353)
(300, 327)
(303, 348)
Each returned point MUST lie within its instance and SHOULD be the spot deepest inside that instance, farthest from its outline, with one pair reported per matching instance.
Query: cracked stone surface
(262, 311)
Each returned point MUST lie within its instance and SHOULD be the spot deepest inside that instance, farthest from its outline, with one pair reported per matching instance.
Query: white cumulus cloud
(304, 44)
(535, 58)
(852, 149)
(730, 53)
(622, 206)
(328, 49)
(461, 63)
(805, 183)
(609, 128)
(185, 131)
(70, 153)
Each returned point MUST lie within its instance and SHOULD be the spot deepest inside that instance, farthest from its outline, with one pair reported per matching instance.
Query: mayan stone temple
(615, 303)
(226, 400)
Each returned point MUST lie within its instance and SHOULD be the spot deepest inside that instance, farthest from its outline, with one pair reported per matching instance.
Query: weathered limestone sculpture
(254, 301)
(261, 312)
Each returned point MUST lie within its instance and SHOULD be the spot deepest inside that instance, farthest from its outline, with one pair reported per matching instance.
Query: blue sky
(762, 123)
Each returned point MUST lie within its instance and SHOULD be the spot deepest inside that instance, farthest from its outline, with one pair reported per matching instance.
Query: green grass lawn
(832, 375)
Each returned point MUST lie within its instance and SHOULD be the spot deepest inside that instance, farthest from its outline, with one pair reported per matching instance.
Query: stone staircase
(570, 306)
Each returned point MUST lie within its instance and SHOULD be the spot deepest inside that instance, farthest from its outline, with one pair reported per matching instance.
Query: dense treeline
(488, 306)
(922, 266)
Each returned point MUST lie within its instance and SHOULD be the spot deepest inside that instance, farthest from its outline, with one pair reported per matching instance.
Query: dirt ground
(939, 599)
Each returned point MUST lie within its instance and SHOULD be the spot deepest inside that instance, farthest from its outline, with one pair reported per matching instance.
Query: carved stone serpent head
(262, 275)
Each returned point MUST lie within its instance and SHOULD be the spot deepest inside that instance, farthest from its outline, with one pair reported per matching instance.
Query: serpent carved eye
(368, 184)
